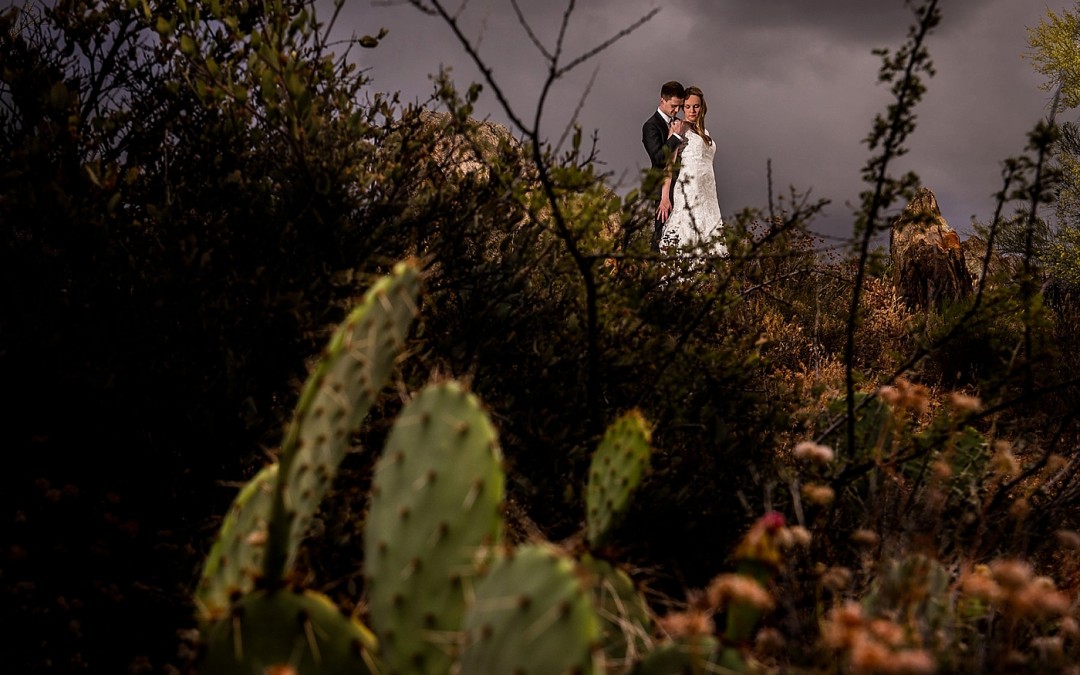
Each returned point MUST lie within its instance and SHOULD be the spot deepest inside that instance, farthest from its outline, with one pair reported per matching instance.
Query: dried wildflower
(905, 395)
(886, 631)
(1020, 508)
(1011, 574)
(1055, 463)
(919, 398)
(980, 584)
(728, 588)
(890, 395)
(1069, 627)
(819, 494)
(842, 625)
(1039, 598)
(964, 402)
(865, 537)
(942, 470)
(814, 452)
(869, 655)
(769, 641)
(690, 623)
(800, 536)
(1068, 539)
(784, 538)
(912, 662)
(1003, 460)
(836, 578)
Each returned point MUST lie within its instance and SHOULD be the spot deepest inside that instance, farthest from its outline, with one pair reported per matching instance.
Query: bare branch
(528, 31)
(577, 110)
(562, 34)
(607, 43)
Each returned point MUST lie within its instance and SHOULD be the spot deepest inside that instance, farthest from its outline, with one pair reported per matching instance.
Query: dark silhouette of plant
(195, 194)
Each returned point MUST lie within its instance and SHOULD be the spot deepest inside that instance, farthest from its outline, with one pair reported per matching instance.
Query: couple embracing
(688, 216)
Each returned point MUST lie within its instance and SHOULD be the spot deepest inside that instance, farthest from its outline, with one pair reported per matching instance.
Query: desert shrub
(184, 228)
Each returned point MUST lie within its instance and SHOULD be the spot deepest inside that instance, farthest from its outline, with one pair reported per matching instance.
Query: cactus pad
(435, 509)
(236, 559)
(531, 615)
(617, 467)
(686, 656)
(333, 403)
(285, 631)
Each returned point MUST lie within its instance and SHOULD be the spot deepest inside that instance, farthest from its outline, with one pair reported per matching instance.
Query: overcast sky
(794, 81)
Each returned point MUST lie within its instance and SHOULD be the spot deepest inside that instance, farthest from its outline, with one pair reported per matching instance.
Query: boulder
(927, 257)
(997, 266)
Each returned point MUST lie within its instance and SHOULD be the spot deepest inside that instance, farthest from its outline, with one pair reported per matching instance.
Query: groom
(662, 134)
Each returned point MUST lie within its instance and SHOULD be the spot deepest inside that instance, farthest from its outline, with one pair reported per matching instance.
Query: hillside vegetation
(196, 195)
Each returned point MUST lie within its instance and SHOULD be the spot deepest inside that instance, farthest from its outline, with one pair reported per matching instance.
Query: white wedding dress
(695, 220)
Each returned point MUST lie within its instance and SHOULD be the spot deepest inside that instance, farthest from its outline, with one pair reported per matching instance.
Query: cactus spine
(625, 623)
(285, 631)
(435, 508)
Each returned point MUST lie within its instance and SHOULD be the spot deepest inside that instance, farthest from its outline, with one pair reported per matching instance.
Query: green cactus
(758, 559)
(686, 656)
(532, 614)
(618, 465)
(440, 599)
(625, 622)
(435, 507)
(915, 587)
(268, 518)
(286, 631)
(236, 559)
(335, 400)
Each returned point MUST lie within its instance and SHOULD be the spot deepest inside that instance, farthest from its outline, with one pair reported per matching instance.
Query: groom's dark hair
(672, 88)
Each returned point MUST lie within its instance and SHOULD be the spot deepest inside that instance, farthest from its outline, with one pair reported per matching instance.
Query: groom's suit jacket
(654, 136)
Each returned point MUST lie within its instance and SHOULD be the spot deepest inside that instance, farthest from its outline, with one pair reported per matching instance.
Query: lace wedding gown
(695, 218)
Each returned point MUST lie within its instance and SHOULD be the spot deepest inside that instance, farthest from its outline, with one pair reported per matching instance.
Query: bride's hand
(665, 209)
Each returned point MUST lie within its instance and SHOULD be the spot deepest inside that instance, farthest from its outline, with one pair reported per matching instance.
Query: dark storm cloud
(791, 81)
(858, 21)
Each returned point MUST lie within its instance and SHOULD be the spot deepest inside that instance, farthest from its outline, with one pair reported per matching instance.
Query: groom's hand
(678, 127)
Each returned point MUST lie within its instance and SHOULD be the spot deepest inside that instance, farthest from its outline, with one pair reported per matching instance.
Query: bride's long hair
(699, 125)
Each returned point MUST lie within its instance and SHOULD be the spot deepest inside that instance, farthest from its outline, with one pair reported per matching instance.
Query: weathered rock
(928, 260)
(473, 154)
(997, 266)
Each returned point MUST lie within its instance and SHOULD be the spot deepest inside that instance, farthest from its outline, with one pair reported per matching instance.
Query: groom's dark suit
(654, 136)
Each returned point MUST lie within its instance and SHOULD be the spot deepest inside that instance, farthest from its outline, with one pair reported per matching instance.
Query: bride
(690, 212)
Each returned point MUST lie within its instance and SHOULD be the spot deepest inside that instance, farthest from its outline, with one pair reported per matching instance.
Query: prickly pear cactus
(531, 614)
(758, 558)
(236, 559)
(335, 400)
(285, 631)
(617, 467)
(435, 508)
(625, 623)
(686, 656)
(262, 532)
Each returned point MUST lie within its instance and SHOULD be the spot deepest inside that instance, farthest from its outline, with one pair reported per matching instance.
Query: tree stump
(928, 261)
